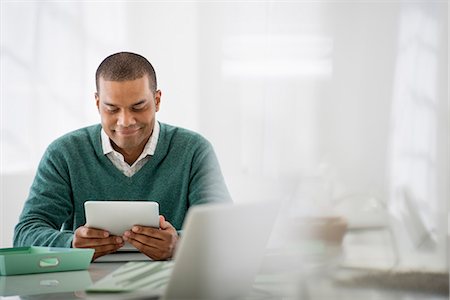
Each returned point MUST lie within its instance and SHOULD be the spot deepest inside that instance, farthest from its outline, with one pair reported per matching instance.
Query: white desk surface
(277, 280)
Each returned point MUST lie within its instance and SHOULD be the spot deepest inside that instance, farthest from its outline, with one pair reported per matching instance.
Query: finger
(150, 250)
(166, 225)
(145, 240)
(160, 233)
(114, 240)
(106, 248)
(155, 248)
(163, 224)
(141, 245)
(148, 231)
(102, 250)
(95, 243)
(142, 238)
(98, 254)
(88, 232)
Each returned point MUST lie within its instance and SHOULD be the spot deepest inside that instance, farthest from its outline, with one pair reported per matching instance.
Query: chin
(127, 145)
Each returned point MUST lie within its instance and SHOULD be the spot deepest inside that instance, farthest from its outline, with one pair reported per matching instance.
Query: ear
(157, 99)
(97, 101)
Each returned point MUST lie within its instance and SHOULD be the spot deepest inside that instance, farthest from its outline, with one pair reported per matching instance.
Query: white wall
(290, 94)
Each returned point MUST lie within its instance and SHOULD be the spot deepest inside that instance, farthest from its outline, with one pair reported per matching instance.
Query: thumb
(162, 222)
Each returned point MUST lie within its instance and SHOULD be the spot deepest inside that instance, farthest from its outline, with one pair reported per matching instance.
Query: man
(130, 156)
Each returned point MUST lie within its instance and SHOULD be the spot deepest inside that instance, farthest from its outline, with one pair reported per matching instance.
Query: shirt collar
(149, 148)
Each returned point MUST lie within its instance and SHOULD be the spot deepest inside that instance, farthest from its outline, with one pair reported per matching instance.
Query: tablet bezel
(116, 217)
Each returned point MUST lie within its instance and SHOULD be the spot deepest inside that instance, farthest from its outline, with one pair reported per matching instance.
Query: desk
(275, 281)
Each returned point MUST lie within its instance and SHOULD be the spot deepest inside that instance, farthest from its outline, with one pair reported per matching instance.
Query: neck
(130, 158)
(130, 155)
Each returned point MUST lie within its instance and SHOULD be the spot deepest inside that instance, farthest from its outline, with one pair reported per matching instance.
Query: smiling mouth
(127, 131)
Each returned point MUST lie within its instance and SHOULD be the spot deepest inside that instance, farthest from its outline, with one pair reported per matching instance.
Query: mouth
(127, 131)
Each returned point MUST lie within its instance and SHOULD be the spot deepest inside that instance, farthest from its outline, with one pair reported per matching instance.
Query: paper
(134, 276)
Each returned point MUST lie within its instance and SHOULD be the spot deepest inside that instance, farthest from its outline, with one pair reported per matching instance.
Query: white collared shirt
(118, 160)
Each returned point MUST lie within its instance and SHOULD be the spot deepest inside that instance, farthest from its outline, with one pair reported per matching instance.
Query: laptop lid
(221, 250)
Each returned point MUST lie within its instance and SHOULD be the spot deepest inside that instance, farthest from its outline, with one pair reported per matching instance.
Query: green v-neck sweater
(183, 171)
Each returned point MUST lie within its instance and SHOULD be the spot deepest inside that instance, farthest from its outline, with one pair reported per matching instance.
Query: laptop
(218, 256)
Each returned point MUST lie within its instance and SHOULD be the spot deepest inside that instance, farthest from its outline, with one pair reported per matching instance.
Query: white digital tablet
(119, 216)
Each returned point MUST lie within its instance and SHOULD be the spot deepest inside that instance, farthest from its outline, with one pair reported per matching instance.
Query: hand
(156, 243)
(99, 240)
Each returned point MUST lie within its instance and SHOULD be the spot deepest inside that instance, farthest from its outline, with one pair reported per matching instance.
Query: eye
(111, 109)
(139, 107)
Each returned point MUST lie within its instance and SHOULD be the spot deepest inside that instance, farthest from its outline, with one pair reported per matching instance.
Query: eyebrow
(134, 104)
(139, 102)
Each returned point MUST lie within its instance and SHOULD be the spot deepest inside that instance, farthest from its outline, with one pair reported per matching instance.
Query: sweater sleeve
(206, 183)
(48, 205)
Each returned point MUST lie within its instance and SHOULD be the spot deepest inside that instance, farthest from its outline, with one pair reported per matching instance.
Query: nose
(126, 119)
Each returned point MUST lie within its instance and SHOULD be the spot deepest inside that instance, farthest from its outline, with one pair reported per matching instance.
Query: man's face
(127, 110)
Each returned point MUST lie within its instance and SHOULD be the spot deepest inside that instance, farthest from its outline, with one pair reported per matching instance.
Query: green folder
(30, 260)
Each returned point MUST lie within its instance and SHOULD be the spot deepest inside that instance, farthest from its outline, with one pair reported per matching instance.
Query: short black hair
(123, 66)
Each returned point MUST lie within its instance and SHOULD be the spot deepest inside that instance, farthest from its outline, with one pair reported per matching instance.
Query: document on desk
(134, 276)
